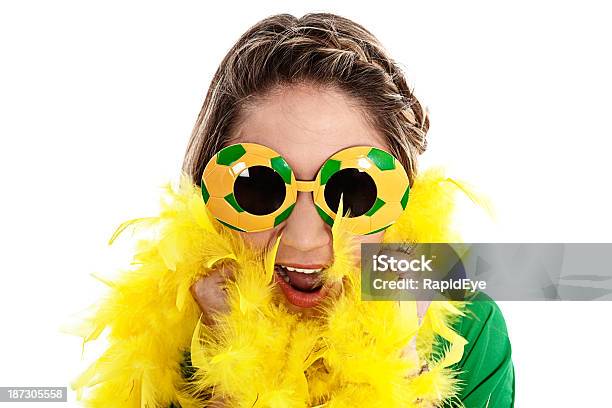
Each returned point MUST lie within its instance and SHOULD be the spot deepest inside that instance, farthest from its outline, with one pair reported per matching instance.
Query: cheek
(372, 238)
(368, 239)
(258, 240)
(264, 238)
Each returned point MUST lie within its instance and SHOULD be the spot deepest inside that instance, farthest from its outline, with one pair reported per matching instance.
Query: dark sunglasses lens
(259, 190)
(357, 188)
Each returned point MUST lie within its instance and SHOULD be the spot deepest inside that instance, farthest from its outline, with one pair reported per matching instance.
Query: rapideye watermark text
(388, 263)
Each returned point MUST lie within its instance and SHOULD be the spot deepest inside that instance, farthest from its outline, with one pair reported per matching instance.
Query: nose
(305, 230)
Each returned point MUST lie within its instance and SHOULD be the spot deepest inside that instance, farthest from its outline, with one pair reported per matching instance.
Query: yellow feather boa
(259, 354)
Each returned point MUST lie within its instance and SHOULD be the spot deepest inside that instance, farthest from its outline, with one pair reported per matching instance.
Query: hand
(211, 296)
(210, 293)
(410, 351)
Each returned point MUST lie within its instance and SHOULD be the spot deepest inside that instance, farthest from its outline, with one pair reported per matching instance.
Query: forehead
(306, 124)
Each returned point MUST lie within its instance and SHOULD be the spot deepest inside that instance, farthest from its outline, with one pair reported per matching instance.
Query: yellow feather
(259, 353)
(343, 248)
(271, 258)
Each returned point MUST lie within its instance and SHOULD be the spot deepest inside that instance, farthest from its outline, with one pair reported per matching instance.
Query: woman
(306, 144)
(308, 88)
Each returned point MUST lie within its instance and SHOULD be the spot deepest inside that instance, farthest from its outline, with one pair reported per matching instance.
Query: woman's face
(306, 124)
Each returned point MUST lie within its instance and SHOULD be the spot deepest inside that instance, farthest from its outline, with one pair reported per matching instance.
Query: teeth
(283, 274)
(302, 270)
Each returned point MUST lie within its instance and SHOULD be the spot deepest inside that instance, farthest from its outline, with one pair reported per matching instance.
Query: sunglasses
(250, 187)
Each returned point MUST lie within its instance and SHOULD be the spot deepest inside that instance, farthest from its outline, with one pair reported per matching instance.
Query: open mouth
(303, 287)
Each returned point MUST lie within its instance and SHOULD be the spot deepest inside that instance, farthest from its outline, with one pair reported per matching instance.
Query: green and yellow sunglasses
(250, 187)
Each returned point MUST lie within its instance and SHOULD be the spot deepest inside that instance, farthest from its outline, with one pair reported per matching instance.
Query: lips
(302, 286)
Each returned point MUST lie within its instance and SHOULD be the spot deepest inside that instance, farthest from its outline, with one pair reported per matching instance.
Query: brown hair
(322, 48)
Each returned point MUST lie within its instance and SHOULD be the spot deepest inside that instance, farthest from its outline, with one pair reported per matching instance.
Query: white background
(97, 101)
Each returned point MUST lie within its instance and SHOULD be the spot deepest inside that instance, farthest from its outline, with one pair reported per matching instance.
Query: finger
(209, 293)
(422, 306)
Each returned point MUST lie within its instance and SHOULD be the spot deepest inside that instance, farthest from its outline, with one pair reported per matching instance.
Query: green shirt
(486, 370)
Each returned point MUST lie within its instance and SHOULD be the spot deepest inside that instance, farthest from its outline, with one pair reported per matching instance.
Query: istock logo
(384, 263)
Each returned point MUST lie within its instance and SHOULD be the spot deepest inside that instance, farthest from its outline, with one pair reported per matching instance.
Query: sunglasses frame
(222, 170)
